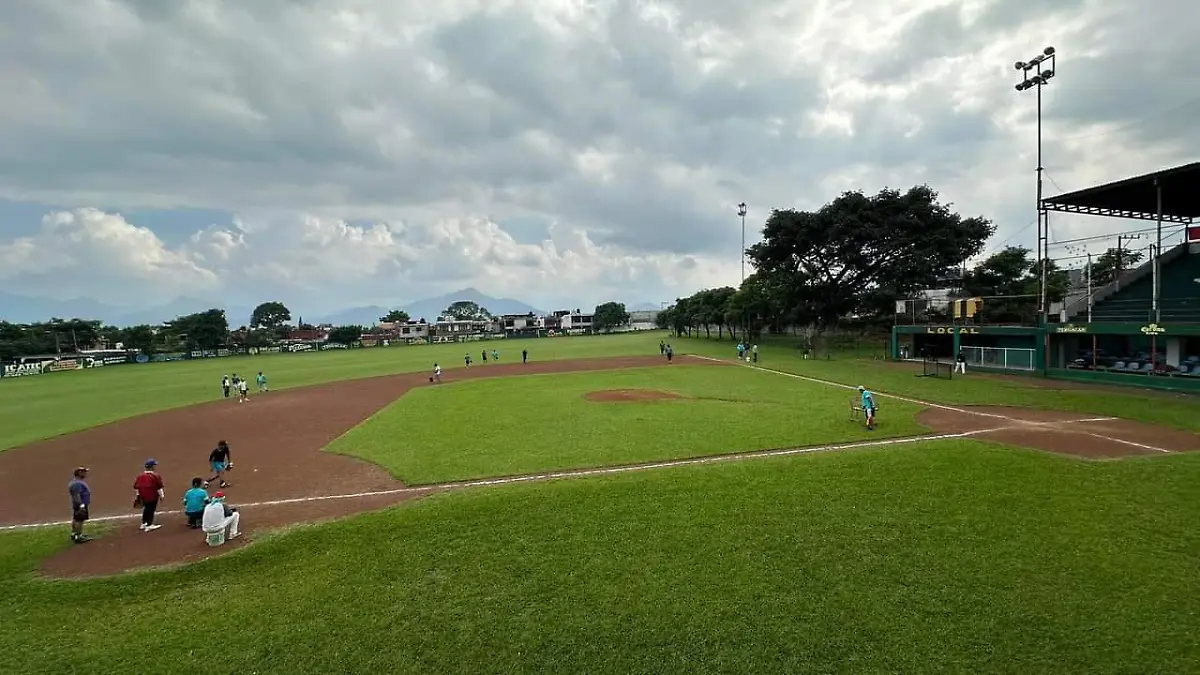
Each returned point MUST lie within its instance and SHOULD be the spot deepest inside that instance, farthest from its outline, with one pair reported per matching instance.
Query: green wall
(1183, 384)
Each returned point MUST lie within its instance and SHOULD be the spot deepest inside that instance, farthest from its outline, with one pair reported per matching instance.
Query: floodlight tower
(1035, 74)
(742, 214)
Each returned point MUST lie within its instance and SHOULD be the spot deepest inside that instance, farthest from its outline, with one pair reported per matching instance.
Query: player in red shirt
(147, 492)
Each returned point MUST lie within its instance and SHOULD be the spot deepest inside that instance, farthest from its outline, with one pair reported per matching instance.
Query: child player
(221, 461)
(868, 406)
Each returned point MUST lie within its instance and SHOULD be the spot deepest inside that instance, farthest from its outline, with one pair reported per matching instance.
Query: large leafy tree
(56, 336)
(861, 250)
(140, 338)
(465, 310)
(609, 315)
(1010, 285)
(203, 330)
(346, 334)
(395, 316)
(1112, 262)
(270, 315)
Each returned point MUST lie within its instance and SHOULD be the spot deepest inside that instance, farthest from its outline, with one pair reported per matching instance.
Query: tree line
(270, 322)
(852, 260)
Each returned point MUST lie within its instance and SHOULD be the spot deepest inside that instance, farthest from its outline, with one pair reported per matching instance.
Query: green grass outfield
(1175, 410)
(947, 558)
(506, 426)
(41, 406)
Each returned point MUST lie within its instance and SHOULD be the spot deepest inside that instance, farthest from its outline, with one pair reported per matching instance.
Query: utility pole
(742, 214)
(1089, 286)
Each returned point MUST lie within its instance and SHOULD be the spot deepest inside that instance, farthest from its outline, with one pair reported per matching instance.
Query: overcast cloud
(346, 152)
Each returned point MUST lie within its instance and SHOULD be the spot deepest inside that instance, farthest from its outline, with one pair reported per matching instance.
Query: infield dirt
(276, 439)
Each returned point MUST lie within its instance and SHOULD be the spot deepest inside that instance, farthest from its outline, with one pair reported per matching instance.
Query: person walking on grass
(262, 382)
(81, 501)
(148, 490)
(868, 406)
(960, 362)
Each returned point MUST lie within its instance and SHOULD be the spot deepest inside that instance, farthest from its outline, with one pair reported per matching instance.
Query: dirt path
(276, 440)
(1066, 433)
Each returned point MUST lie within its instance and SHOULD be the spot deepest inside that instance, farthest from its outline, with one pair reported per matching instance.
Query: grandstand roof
(1137, 197)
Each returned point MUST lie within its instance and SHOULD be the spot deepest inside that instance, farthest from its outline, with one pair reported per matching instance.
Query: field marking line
(965, 411)
(1129, 443)
(830, 383)
(929, 404)
(549, 476)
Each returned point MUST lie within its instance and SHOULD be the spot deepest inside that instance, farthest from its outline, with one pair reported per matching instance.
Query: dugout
(1159, 356)
(1005, 348)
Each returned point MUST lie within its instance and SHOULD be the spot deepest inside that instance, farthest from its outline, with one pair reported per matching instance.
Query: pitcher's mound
(612, 395)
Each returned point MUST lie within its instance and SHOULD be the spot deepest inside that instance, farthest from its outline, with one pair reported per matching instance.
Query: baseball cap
(79, 469)
(860, 387)
(151, 462)
(219, 495)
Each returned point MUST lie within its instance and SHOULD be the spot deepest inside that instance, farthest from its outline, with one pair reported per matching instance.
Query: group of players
(241, 387)
(203, 511)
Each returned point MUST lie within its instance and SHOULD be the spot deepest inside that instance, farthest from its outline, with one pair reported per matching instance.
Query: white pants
(230, 525)
(960, 367)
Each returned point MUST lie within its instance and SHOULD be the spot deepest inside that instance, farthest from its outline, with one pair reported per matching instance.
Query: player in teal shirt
(194, 501)
(262, 381)
(868, 406)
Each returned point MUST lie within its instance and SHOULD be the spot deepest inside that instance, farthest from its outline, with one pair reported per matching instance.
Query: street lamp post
(1035, 74)
(742, 215)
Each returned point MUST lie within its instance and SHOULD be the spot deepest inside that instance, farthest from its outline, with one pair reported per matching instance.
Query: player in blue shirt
(81, 502)
(194, 501)
(868, 406)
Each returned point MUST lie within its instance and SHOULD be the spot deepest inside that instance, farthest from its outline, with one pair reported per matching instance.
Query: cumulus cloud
(321, 262)
(74, 249)
(382, 150)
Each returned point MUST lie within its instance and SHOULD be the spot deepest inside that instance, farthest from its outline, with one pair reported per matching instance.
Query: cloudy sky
(333, 153)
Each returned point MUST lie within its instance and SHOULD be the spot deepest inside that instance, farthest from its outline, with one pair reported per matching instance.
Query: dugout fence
(1003, 358)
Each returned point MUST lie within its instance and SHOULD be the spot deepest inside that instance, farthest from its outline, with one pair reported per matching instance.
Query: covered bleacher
(1144, 344)
(1179, 294)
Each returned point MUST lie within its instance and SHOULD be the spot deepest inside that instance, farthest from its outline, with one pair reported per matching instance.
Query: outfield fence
(1005, 358)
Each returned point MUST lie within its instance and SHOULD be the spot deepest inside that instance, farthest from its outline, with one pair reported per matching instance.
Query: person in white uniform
(219, 517)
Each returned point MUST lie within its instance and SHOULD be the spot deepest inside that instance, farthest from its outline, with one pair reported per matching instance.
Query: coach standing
(148, 491)
(81, 500)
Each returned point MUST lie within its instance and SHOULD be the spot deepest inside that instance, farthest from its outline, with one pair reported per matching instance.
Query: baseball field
(599, 510)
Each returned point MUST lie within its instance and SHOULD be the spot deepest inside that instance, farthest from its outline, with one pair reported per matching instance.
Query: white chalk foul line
(930, 404)
(548, 476)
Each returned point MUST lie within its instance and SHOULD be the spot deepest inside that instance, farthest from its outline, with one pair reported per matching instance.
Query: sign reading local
(951, 330)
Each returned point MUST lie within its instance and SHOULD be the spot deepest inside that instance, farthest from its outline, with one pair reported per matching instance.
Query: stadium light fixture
(742, 214)
(1035, 74)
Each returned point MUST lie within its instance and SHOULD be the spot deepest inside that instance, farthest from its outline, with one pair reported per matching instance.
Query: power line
(1114, 235)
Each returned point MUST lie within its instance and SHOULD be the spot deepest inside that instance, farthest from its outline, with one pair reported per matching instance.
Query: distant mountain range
(643, 307)
(25, 309)
(428, 309)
